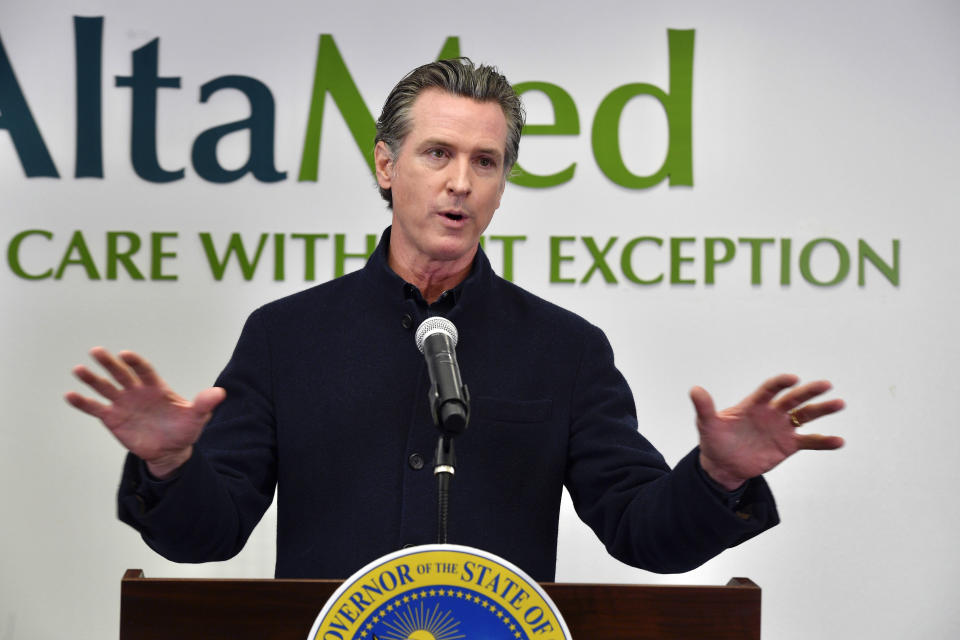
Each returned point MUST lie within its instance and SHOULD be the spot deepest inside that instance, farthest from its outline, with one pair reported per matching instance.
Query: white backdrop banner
(729, 190)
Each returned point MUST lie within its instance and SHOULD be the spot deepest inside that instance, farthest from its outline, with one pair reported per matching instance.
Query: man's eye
(485, 162)
(436, 153)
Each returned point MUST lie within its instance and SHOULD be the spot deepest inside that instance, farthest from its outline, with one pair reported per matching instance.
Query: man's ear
(383, 163)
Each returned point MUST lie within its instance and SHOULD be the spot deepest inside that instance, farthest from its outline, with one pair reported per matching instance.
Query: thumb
(207, 400)
(703, 404)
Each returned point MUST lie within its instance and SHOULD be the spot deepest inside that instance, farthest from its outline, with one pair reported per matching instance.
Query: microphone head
(435, 324)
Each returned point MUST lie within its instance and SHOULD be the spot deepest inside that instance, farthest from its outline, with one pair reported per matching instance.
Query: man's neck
(431, 277)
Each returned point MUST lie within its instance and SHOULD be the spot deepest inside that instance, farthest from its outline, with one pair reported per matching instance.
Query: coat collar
(386, 285)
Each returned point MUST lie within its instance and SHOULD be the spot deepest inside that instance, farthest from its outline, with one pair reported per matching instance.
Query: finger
(810, 412)
(99, 384)
(141, 367)
(796, 397)
(87, 405)
(769, 389)
(818, 442)
(207, 400)
(703, 404)
(120, 372)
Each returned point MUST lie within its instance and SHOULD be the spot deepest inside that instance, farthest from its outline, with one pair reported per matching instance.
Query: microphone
(449, 400)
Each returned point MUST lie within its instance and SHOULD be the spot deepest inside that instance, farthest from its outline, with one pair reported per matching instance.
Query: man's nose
(458, 177)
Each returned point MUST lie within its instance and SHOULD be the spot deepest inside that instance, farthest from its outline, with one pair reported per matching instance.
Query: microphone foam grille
(435, 324)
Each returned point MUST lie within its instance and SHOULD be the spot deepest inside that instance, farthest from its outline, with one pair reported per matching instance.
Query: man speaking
(325, 396)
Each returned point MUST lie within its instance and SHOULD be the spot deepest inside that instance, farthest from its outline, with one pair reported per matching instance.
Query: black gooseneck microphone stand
(445, 458)
(449, 405)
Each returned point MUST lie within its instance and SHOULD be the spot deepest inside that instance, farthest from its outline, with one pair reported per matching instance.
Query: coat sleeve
(646, 515)
(208, 510)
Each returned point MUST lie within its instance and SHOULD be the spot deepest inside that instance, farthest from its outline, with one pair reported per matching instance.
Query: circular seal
(439, 592)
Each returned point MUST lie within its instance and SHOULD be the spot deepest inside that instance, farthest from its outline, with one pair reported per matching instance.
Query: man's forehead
(435, 112)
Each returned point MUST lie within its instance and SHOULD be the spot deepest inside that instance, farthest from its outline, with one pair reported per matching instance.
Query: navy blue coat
(327, 402)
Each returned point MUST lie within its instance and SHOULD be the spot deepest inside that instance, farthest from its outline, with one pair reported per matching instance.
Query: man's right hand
(144, 414)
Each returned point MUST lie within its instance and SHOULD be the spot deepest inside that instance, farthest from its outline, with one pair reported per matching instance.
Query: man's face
(446, 179)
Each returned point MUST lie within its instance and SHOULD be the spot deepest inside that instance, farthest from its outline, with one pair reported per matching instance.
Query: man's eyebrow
(491, 151)
(434, 142)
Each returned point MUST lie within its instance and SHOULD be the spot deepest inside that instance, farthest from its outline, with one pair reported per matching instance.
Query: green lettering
(508, 253)
(279, 267)
(157, 255)
(843, 263)
(678, 106)
(114, 255)
(450, 49)
(785, 254)
(677, 260)
(867, 254)
(710, 258)
(599, 261)
(234, 247)
(626, 260)
(309, 253)
(13, 254)
(331, 76)
(556, 258)
(756, 250)
(341, 255)
(84, 259)
(566, 122)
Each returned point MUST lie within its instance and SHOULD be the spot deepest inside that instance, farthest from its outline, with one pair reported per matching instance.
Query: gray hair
(458, 76)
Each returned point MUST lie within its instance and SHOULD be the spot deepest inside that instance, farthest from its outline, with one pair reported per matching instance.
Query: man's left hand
(759, 433)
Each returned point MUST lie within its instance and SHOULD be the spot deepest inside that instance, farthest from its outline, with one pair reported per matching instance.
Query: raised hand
(760, 432)
(143, 413)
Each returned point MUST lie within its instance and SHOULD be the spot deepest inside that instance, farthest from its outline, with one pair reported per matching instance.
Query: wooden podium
(191, 609)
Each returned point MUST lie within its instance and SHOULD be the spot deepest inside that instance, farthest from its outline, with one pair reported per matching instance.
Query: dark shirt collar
(386, 283)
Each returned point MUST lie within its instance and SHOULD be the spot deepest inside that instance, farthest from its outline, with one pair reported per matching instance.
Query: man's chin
(454, 249)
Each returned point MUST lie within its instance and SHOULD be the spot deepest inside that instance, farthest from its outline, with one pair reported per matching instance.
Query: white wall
(815, 119)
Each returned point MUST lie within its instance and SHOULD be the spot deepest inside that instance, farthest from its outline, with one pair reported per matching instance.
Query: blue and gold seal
(439, 592)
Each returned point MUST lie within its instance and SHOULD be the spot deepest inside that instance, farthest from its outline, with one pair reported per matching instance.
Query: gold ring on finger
(794, 419)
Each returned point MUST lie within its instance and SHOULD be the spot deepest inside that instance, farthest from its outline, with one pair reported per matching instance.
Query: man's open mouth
(454, 216)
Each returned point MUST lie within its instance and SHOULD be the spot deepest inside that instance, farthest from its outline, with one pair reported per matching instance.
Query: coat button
(406, 321)
(415, 461)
